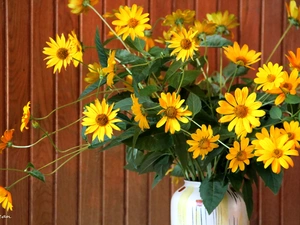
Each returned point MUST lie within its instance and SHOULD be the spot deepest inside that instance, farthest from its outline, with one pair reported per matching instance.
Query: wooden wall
(93, 188)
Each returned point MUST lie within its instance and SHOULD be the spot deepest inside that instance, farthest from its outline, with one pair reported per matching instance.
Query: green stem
(232, 79)
(181, 81)
(221, 72)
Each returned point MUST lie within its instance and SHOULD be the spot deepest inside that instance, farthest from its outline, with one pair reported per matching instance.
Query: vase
(187, 208)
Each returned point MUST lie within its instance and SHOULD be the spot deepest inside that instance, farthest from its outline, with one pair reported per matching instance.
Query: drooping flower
(110, 69)
(5, 199)
(203, 29)
(293, 13)
(80, 6)
(94, 74)
(273, 134)
(179, 18)
(76, 49)
(288, 86)
(100, 119)
(240, 154)
(269, 76)
(139, 112)
(292, 129)
(241, 110)
(225, 22)
(59, 53)
(184, 44)
(131, 21)
(294, 59)
(172, 112)
(241, 56)
(26, 117)
(276, 153)
(203, 141)
(6, 139)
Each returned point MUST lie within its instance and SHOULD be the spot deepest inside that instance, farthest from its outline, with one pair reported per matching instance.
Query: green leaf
(30, 169)
(150, 159)
(194, 103)
(212, 192)
(161, 167)
(236, 180)
(180, 149)
(175, 66)
(233, 70)
(92, 87)
(138, 44)
(134, 157)
(215, 41)
(148, 90)
(189, 77)
(124, 104)
(275, 112)
(100, 50)
(292, 99)
(127, 58)
(247, 196)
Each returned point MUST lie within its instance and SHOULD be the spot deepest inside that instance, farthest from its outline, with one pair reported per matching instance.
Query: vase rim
(192, 183)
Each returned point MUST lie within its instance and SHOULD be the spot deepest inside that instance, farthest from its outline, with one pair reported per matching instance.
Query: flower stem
(232, 79)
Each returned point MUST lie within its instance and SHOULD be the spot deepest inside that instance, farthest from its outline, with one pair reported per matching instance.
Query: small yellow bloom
(94, 74)
(292, 129)
(110, 69)
(224, 21)
(5, 199)
(139, 112)
(6, 139)
(240, 154)
(294, 59)
(293, 13)
(179, 18)
(79, 6)
(172, 112)
(25, 117)
(203, 142)
(76, 49)
(273, 135)
(203, 29)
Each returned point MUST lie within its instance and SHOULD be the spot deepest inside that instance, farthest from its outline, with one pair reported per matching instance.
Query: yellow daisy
(59, 53)
(110, 69)
(294, 59)
(172, 112)
(139, 112)
(241, 110)
(288, 86)
(100, 119)
(269, 76)
(25, 117)
(6, 139)
(183, 43)
(94, 74)
(276, 153)
(179, 18)
(203, 142)
(241, 56)
(76, 49)
(79, 6)
(131, 21)
(5, 199)
(292, 129)
(240, 154)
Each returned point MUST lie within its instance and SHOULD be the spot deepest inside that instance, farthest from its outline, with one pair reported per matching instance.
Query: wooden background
(94, 189)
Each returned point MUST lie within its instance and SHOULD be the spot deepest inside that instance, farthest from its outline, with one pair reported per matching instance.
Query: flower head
(203, 141)
(294, 59)
(224, 21)
(240, 154)
(241, 110)
(5, 199)
(292, 129)
(59, 53)
(139, 112)
(204, 28)
(100, 119)
(79, 6)
(110, 69)
(172, 112)
(273, 134)
(76, 49)
(25, 117)
(276, 153)
(241, 56)
(269, 76)
(131, 21)
(293, 13)
(184, 44)
(94, 74)
(6, 139)
(179, 18)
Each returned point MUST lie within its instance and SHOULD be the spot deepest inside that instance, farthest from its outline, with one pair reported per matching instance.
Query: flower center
(62, 53)
(241, 61)
(241, 111)
(241, 156)
(291, 135)
(271, 77)
(277, 153)
(179, 21)
(102, 120)
(204, 143)
(171, 112)
(186, 43)
(132, 23)
(287, 87)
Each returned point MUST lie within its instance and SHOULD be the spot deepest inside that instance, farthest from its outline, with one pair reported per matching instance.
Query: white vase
(187, 208)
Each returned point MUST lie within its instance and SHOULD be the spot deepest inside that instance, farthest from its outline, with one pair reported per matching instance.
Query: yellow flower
(110, 69)
(276, 153)
(167, 35)
(203, 142)
(100, 119)
(76, 49)
(172, 112)
(149, 42)
(288, 86)
(269, 76)
(179, 18)
(59, 53)
(241, 56)
(131, 21)
(240, 110)
(6, 139)
(183, 43)
(273, 135)
(294, 59)
(292, 129)
(94, 74)
(139, 112)
(25, 117)
(204, 28)
(5, 199)
(79, 6)
(293, 12)
(128, 83)
(240, 154)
